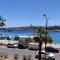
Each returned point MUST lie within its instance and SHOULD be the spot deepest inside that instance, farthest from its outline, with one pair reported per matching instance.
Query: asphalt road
(22, 52)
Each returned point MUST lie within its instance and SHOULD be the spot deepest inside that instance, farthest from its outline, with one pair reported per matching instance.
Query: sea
(55, 35)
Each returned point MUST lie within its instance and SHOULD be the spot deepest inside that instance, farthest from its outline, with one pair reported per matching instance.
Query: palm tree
(43, 34)
(2, 23)
(41, 38)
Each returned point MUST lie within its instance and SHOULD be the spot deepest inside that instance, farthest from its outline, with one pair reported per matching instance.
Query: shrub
(16, 38)
(16, 56)
(29, 57)
(28, 40)
(8, 38)
(24, 58)
(49, 39)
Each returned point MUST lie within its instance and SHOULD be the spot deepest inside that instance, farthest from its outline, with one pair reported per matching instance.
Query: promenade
(5, 42)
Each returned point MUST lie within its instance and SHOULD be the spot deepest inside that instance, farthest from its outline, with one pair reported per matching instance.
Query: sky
(30, 12)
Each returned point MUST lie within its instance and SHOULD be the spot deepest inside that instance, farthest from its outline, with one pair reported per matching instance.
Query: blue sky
(27, 12)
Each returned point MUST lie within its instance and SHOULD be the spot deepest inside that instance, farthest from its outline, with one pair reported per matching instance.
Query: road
(21, 52)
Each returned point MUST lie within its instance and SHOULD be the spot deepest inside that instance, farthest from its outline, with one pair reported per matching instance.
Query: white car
(43, 53)
(14, 45)
(33, 46)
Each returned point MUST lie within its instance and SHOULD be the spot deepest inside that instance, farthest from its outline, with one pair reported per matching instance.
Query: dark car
(14, 45)
(52, 49)
(22, 45)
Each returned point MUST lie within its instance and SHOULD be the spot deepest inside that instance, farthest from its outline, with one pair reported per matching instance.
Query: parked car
(33, 46)
(23, 45)
(52, 49)
(43, 53)
(14, 45)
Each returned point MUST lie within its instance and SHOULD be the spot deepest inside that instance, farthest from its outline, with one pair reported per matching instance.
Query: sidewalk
(5, 42)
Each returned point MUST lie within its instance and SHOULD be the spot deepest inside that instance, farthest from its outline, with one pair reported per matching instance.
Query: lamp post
(46, 31)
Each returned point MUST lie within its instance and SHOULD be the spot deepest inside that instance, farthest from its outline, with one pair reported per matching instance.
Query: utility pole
(46, 31)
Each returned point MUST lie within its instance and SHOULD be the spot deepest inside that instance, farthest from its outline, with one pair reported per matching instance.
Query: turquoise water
(16, 32)
(55, 35)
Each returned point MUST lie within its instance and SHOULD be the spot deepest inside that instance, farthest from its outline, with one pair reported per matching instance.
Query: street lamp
(46, 30)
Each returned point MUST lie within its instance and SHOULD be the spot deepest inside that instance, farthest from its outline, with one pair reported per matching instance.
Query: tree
(49, 39)
(8, 38)
(42, 32)
(2, 23)
(17, 38)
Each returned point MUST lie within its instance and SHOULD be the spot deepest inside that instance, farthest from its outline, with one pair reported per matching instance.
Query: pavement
(21, 52)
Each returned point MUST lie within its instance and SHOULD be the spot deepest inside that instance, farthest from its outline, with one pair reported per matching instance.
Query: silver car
(14, 45)
(43, 53)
